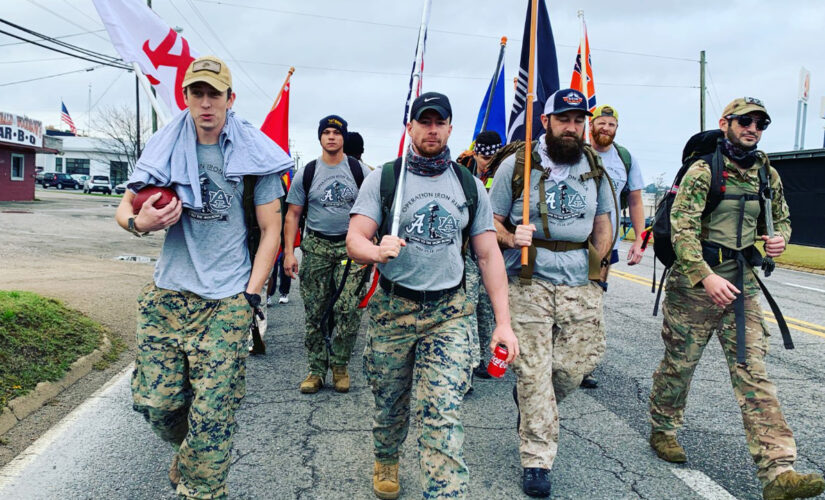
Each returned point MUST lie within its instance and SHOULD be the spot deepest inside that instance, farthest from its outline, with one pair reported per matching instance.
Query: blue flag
(545, 77)
(495, 120)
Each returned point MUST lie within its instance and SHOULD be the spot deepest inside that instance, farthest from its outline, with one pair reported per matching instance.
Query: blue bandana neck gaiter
(428, 167)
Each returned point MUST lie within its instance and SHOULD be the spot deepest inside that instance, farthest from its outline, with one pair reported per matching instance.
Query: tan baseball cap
(605, 110)
(745, 105)
(208, 69)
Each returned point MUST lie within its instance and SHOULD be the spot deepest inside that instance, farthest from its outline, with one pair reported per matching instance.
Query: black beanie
(354, 144)
(332, 121)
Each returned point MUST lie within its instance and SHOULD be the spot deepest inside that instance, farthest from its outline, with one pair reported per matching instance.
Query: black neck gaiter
(428, 167)
(743, 157)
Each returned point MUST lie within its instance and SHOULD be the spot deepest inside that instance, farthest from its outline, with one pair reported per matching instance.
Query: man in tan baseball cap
(211, 70)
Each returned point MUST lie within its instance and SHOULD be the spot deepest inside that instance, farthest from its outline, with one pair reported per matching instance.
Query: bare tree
(117, 127)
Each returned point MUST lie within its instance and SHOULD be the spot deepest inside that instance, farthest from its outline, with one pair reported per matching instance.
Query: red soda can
(498, 363)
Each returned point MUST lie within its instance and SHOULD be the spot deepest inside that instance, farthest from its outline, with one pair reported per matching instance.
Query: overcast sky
(353, 58)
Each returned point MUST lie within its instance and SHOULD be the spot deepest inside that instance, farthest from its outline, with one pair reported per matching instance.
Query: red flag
(576, 81)
(276, 123)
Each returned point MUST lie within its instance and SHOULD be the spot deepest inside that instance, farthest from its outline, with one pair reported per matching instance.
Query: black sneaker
(536, 482)
(480, 371)
(589, 382)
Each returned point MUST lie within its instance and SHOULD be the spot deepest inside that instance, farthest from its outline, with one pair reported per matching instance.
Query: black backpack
(253, 230)
(309, 174)
(702, 146)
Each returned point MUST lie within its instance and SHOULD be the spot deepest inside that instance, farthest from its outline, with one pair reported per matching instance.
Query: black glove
(255, 303)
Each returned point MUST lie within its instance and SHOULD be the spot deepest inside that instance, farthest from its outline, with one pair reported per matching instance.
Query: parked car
(60, 181)
(120, 188)
(38, 178)
(80, 178)
(97, 183)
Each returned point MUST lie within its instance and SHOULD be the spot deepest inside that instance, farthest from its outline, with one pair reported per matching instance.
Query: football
(167, 196)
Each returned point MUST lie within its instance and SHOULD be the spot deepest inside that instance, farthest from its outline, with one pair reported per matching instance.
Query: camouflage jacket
(688, 229)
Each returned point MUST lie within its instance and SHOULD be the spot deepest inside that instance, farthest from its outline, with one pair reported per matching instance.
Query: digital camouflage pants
(422, 349)
(321, 271)
(482, 321)
(690, 317)
(561, 339)
(190, 377)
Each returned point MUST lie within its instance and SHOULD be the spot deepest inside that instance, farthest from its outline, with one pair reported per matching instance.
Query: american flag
(64, 116)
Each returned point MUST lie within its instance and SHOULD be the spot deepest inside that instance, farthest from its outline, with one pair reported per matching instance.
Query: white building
(87, 156)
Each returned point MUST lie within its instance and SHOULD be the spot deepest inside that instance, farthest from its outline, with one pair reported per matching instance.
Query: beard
(603, 139)
(563, 151)
(736, 141)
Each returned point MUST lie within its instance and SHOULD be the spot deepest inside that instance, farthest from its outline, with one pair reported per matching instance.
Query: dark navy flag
(496, 119)
(545, 77)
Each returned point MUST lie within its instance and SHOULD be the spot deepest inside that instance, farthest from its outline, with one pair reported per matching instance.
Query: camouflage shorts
(189, 379)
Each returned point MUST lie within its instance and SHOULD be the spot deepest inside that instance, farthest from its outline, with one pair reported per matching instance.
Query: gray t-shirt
(571, 205)
(433, 214)
(205, 252)
(618, 174)
(331, 196)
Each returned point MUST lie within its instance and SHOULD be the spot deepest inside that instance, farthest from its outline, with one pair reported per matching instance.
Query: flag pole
(528, 122)
(280, 92)
(584, 52)
(416, 79)
(494, 84)
(147, 88)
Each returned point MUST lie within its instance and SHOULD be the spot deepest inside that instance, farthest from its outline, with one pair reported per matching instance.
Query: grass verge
(39, 339)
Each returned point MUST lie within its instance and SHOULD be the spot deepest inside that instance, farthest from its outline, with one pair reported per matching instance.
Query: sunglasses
(746, 120)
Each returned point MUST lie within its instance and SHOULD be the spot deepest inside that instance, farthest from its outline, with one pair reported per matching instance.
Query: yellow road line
(796, 324)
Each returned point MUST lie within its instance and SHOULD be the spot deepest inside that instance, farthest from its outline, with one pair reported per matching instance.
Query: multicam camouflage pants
(482, 321)
(690, 317)
(190, 377)
(321, 271)
(426, 345)
(561, 339)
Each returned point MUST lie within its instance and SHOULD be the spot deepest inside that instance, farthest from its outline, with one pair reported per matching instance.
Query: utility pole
(89, 115)
(702, 90)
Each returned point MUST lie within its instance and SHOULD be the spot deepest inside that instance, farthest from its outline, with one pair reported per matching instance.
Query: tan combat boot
(385, 483)
(340, 378)
(667, 447)
(174, 472)
(312, 384)
(791, 484)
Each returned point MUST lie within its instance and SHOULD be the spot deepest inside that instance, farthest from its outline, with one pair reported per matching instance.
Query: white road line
(13, 469)
(702, 484)
(805, 287)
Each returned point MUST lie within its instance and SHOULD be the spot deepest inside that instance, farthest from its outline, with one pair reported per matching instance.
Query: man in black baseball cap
(434, 101)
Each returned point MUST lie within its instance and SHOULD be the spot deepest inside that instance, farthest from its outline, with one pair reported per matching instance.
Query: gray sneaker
(284, 299)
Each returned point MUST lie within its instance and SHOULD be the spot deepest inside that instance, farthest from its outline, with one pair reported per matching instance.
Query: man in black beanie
(326, 188)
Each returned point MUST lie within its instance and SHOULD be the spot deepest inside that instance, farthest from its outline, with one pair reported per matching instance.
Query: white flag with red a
(141, 36)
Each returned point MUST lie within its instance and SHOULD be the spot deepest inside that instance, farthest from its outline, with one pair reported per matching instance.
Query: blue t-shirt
(572, 205)
(205, 252)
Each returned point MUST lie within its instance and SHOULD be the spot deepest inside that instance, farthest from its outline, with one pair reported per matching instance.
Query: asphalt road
(291, 445)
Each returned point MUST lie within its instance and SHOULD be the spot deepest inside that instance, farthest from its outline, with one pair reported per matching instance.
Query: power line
(228, 52)
(64, 18)
(33, 42)
(52, 76)
(87, 32)
(449, 32)
(107, 89)
(61, 43)
(21, 61)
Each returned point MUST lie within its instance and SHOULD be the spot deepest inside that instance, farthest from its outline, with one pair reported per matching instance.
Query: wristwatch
(131, 228)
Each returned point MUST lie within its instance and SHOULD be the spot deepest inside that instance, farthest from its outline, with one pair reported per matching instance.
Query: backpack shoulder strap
(355, 168)
(468, 185)
(309, 174)
(517, 183)
(389, 181)
(717, 181)
(597, 170)
(624, 155)
(253, 231)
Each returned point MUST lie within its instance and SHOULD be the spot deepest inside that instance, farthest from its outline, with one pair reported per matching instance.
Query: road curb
(19, 408)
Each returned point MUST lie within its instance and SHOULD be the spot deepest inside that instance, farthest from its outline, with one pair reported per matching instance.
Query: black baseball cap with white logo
(431, 100)
(566, 100)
